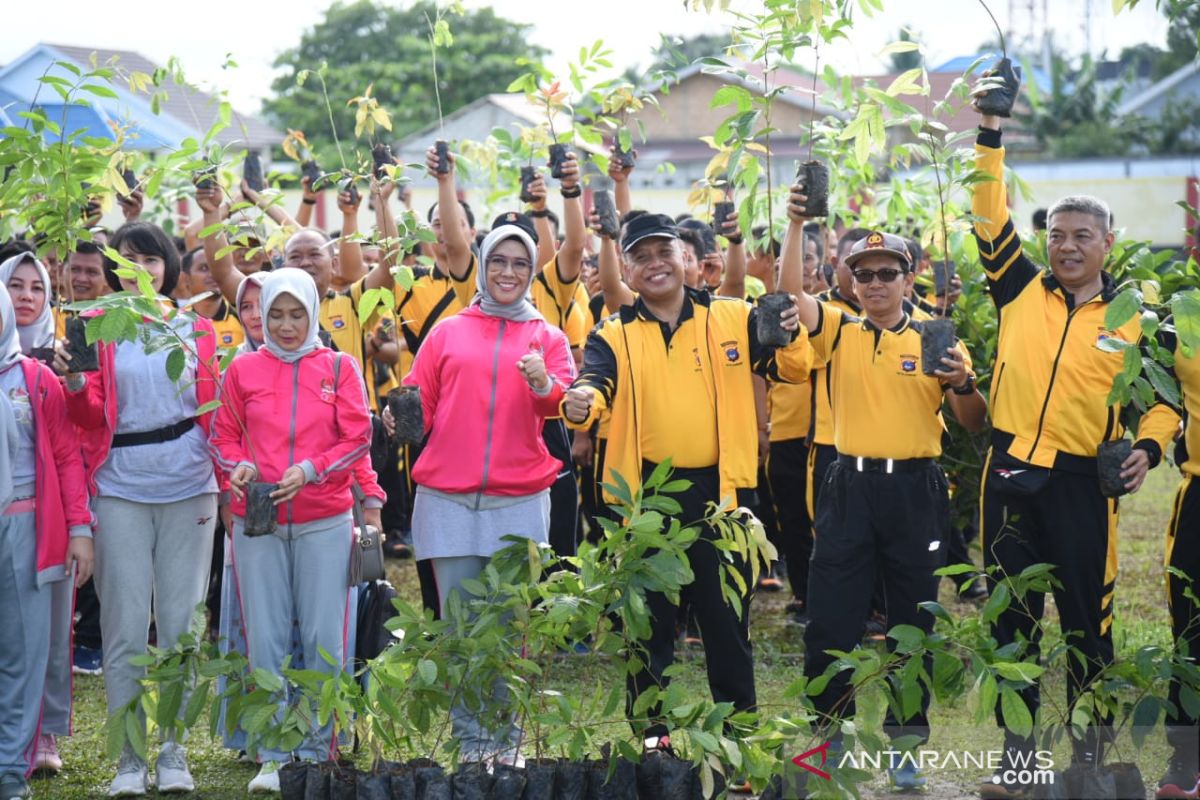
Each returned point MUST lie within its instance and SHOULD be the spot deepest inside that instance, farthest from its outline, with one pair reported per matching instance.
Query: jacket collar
(691, 298)
(838, 297)
(1108, 287)
(899, 327)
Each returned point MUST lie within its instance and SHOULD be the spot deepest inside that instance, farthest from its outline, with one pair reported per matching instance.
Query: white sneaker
(171, 770)
(267, 779)
(131, 777)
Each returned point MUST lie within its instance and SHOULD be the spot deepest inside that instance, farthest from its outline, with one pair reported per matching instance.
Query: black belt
(167, 434)
(885, 465)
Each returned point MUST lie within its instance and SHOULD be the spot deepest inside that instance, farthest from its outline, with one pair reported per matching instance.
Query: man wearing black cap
(885, 502)
(675, 371)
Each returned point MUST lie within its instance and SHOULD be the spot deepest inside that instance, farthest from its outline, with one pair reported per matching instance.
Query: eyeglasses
(887, 275)
(500, 264)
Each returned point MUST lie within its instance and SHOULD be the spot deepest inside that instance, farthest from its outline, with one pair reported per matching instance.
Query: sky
(256, 32)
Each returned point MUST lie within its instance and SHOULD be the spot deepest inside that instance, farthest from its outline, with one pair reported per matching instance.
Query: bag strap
(355, 490)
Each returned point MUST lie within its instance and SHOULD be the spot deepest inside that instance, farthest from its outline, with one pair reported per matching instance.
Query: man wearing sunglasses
(1056, 361)
(884, 506)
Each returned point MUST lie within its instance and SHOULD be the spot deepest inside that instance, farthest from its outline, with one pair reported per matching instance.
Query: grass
(1141, 619)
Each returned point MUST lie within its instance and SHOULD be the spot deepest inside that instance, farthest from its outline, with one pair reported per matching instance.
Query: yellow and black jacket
(1051, 378)
(821, 409)
(339, 316)
(227, 327)
(724, 341)
(431, 299)
(884, 405)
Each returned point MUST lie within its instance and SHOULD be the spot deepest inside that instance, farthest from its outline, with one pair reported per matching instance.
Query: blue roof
(959, 64)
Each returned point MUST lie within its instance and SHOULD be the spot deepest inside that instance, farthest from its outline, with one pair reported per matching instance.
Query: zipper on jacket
(292, 432)
(1050, 387)
(487, 447)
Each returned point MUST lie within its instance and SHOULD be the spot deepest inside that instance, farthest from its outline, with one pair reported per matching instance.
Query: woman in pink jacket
(154, 492)
(294, 414)
(489, 377)
(28, 285)
(45, 535)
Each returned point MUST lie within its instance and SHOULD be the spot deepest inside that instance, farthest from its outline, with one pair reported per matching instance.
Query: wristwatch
(966, 388)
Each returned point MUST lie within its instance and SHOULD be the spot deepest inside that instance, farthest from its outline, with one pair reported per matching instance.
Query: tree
(674, 54)
(1077, 118)
(370, 43)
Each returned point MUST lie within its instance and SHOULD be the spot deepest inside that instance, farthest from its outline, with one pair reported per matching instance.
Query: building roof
(515, 105)
(1168, 84)
(185, 111)
(187, 104)
(801, 95)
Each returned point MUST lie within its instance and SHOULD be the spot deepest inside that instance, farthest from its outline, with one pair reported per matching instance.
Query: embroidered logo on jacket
(327, 393)
(908, 364)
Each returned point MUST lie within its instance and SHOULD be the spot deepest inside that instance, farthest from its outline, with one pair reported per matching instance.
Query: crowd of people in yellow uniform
(550, 359)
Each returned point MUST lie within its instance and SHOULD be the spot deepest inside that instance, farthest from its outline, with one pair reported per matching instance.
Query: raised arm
(570, 255)
(733, 282)
(350, 260)
(1007, 268)
(791, 273)
(620, 178)
(458, 248)
(547, 245)
(385, 224)
(227, 276)
(614, 290)
(308, 201)
(271, 208)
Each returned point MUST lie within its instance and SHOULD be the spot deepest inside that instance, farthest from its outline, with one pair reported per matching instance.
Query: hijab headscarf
(299, 284)
(39, 333)
(258, 279)
(10, 356)
(521, 310)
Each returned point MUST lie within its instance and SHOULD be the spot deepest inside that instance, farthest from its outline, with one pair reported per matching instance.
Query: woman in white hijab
(28, 285)
(294, 414)
(45, 535)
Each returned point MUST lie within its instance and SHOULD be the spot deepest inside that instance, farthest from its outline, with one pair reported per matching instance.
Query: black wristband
(734, 239)
(309, 202)
(545, 212)
(571, 193)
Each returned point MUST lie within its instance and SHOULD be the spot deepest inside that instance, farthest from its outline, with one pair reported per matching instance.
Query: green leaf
(988, 692)
(176, 362)
(1015, 713)
(1145, 718)
(1124, 307)
(98, 90)
(428, 671)
(1024, 671)
(211, 405)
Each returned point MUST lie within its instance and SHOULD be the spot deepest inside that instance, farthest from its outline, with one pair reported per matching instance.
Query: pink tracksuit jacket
(483, 420)
(295, 413)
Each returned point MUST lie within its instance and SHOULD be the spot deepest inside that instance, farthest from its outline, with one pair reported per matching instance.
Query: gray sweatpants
(476, 741)
(300, 575)
(24, 641)
(56, 705)
(148, 552)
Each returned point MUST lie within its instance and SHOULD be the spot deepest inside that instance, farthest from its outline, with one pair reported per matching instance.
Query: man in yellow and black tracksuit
(1041, 500)
(675, 371)
(1182, 778)
(884, 504)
